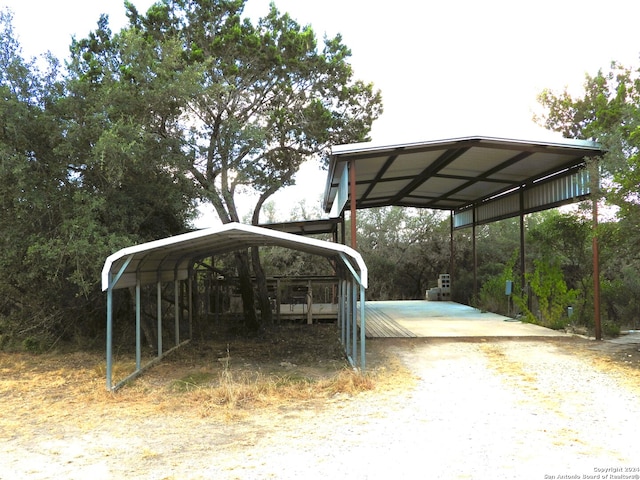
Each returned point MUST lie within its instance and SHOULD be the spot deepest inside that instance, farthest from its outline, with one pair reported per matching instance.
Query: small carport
(171, 260)
(478, 179)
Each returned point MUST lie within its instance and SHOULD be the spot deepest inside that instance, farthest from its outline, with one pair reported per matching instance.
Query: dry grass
(59, 389)
(246, 391)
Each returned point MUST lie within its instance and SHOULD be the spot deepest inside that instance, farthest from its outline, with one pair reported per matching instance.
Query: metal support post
(474, 253)
(347, 319)
(138, 326)
(109, 335)
(176, 295)
(191, 304)
(523, 257)
(596, 273)
(113, 280)
(354, 332)
(352, 203)
(341, 309)
(159, 316)
(363, 359)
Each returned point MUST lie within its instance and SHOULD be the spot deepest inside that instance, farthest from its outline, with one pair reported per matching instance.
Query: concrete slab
(627, 338)
(449, 319)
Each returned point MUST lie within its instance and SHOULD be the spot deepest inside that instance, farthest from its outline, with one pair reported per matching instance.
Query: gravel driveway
(477, 410)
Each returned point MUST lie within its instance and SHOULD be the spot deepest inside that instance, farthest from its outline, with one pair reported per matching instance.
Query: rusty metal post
(596, 272)
(452, 261)
(474, 251)
(523, 264)
(352, 202)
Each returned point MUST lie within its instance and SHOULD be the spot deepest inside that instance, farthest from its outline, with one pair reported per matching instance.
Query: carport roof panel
(170, 258)
(451, 173)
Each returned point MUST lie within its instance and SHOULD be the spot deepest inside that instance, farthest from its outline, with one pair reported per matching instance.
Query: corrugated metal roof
(170, 258)
(449, 174)
(306, 227)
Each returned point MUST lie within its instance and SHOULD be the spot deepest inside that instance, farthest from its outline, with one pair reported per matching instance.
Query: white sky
(446, 68)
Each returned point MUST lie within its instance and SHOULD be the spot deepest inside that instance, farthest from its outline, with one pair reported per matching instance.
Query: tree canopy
(78, 181)
(193, 102)
(248, 103)
(189, 102)
(608, 112)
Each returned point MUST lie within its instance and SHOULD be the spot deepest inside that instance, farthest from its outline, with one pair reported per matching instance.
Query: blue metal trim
(109, 335)
(159, 316)
(117, 276)
(109, 354)
(138, 326)
(363, 359)
(355, 275)
(354, 314)
(176, 310)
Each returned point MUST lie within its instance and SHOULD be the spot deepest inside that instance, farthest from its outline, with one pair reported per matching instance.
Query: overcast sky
(446, 68)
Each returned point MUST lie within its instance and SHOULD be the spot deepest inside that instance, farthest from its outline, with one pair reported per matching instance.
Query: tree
(404, 249)
(32, 184)
(609, 112)
(77, 182)
(245, 103)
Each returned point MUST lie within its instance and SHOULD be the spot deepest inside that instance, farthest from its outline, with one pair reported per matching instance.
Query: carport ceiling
(449, 174)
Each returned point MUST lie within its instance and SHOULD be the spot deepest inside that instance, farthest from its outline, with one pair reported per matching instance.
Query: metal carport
(171, 260)
(479, 179)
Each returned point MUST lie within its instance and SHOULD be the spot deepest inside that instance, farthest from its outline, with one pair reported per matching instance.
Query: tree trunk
(263, 292)
(261, 279)
(251, 323)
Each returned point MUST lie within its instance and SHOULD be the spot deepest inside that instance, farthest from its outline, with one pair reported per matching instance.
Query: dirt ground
(284, 406)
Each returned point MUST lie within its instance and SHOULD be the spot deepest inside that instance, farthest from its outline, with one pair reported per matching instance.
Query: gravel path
(488, 410)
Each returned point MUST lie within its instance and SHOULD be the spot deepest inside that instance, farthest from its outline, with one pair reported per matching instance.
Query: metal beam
(379, 175)
(443, 160)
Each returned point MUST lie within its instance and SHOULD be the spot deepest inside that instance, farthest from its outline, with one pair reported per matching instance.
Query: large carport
(478, 179)
(172, 259)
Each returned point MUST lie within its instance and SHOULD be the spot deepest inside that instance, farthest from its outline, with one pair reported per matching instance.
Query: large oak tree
(247, 103)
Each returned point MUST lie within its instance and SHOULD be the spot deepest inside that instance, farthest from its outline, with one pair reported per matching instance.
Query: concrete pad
(449, 319)
(627, 338)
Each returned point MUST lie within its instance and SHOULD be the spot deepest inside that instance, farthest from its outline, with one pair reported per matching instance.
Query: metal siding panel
(557, 190)
(499, 208)
(463, 219)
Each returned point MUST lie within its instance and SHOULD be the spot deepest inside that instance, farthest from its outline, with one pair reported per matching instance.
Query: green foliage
(188, 102)
(405, 251)
(79, 179)
(568, 237)
(548, 285)
(609, 112)
(259, 99)
(249, 103)
(492, 296)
